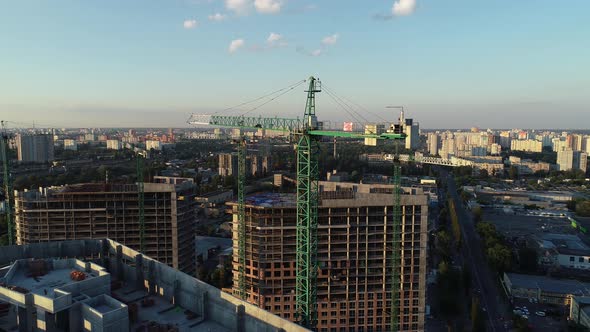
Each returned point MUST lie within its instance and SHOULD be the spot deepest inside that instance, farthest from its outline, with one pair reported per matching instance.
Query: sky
(151, 63)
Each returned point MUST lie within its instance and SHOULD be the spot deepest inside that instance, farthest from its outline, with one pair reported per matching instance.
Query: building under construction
(355, 256)
(96, 210)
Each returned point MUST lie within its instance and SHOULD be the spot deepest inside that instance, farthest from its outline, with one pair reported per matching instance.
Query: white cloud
(218, 17)
(403, 7)
(189, 24)
(238, 6)
(273, 38)
(317, 52)
(268, 6)
(235, 45)
(330, 40)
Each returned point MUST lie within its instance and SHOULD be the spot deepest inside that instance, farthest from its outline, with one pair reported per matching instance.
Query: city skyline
(135, 64)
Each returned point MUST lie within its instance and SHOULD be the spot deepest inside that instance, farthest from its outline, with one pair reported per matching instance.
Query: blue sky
(452, 64)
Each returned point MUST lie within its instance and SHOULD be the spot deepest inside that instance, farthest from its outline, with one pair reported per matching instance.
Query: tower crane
(307, 132)
(7, 184)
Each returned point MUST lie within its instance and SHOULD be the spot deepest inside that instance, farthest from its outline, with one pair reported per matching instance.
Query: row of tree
(498, 254)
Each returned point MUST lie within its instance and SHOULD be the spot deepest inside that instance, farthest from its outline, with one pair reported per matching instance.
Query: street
(484, 279)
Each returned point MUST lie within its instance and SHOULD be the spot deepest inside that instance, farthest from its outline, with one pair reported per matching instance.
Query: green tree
(443, 244)
(513, 172)
(499, 257)
(583, 208)
(528, 259)
(477, 213)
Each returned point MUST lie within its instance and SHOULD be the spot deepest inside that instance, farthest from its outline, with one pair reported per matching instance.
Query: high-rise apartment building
(432, 142)
(94, 211)
(70, 144)
(568, 159)
(37, 148)
(355, 256)
(528, 145)
(256, 164)
(113, 144)
(412, 130)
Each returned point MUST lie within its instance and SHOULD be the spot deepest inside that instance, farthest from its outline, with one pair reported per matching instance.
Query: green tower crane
(307, 132)
(4, 140)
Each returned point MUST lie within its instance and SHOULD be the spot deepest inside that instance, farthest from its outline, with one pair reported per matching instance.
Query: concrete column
(152, 277)
(45, 321)
(177, 291)
(23, 319)
(139, 279)
(104, 254)
(119, 258)
(240, 313)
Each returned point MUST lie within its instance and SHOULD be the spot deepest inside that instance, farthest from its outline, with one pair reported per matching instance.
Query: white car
(525, 316)
(540, 313)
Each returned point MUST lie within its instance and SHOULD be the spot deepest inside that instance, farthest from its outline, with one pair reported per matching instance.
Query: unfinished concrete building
(257, 165)
(90, 211)
(112, 288)
(355, 256)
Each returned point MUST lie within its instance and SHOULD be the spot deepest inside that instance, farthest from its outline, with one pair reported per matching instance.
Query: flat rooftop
(25, 278)
(550, 285)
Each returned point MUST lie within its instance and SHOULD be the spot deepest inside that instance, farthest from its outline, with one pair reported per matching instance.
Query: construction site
(97, 210)
(355, 258)
(110, 287)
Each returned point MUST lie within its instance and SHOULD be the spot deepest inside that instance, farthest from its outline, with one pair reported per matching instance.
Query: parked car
(540, 313)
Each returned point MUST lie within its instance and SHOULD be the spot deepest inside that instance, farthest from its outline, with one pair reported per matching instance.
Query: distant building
(256, 165)
(412, 130)
(70, 144)
(150, 144)
(113, 144)
(89, 137)
(568, 159)
(527, 145)
(527, 166)
(36, 148)
(562, 250)
(432, 142)
(373, 129)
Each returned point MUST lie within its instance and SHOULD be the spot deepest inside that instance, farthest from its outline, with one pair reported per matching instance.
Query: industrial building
(97, 210)
(100, 285)
(355, 256)
(580, 311)
(36, 148)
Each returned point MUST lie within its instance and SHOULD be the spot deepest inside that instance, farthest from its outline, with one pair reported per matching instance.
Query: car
(525, 316)
(517, 312)
(540, 313)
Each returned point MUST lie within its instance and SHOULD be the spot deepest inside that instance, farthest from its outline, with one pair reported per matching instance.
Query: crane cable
(289, 89)
(260, 98)
(341, 104)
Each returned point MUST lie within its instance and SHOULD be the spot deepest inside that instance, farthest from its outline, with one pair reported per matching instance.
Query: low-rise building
(580, 311)
(544, 289)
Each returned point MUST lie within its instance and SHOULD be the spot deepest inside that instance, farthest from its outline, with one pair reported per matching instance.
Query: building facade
(355, 256)
(36, 148)
(89, 211)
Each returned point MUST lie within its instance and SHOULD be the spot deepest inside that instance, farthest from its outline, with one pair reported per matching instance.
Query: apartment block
(36, 148)
(89, 211)
(355, 256)
(256, 164)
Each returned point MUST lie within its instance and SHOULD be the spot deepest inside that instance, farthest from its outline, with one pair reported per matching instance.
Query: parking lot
(550, 322)
(512, 225)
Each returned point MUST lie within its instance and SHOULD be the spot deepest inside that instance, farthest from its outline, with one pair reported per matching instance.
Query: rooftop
(549, 285)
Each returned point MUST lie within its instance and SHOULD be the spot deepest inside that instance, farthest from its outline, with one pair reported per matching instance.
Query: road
(483, 278)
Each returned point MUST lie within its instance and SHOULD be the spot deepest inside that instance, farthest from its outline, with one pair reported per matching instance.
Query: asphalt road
(483, 278)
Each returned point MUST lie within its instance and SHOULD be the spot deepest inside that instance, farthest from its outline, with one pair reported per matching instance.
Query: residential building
(432, 142)
(527, 145)
(354, 252)
(151, 144)
(100, 285)
(256, 164)
(373, 129)
(70, 144)
(37, 148)
(568, 159)
(113, 144)
(412, 130)
(87, 211)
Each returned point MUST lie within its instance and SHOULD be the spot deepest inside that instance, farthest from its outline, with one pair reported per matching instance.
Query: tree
(443, 244)
(499, 257)
(513, 172)
(583, 208)
(477, 213)
(528, 259)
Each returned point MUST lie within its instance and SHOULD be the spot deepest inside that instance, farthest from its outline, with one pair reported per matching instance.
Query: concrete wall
(188, 292)
(116, 320)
